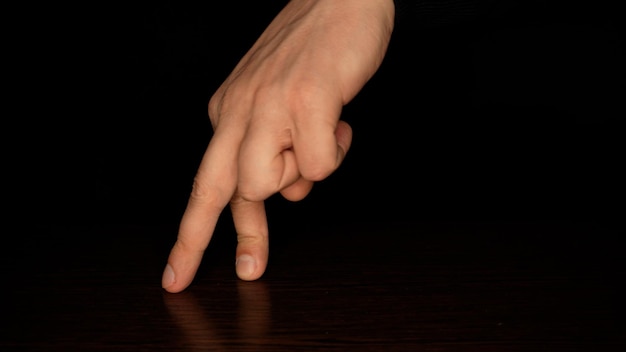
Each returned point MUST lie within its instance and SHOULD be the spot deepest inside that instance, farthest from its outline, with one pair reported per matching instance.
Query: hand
(276, 124)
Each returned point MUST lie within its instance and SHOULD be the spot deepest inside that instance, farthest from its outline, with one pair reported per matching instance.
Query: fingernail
(168, 276)
(245, 265)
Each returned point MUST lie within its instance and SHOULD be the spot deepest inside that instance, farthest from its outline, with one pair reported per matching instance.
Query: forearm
(349, 36)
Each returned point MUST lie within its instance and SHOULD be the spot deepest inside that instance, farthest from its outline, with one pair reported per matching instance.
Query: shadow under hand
(207, 321)
(254, 311)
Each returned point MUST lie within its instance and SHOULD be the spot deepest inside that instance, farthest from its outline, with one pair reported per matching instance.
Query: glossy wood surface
(395, 286)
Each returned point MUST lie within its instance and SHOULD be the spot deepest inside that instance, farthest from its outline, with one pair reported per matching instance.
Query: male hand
(277, 127)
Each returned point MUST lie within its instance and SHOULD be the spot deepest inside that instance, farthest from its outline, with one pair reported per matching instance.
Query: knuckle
(249, 193)
(214, 109)
(258, 239)
(206, 195)
(304, 99)
(318, 171)
(214, 104)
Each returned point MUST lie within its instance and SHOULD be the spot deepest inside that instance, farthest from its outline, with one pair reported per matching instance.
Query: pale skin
(276, 125)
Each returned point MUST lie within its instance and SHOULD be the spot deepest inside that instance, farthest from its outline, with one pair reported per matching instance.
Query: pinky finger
(297, 190)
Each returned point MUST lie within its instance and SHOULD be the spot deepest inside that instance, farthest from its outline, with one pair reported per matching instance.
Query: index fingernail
(168, 276)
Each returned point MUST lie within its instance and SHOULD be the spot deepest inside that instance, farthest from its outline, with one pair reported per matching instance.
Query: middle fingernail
(246, 265)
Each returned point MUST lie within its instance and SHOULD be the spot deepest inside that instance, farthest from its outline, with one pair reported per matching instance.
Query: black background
(480, 207)
(515, 114)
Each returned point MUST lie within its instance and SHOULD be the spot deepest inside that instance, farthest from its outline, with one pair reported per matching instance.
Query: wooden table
(342, 286)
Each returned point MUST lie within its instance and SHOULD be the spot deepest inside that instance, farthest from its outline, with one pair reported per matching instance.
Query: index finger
(213, 187)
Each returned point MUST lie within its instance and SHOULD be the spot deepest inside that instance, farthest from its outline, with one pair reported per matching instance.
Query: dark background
(512, 114)
(479, 209)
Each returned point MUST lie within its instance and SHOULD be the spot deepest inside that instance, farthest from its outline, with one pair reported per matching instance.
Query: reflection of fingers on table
(254, 309)
(189, 316)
